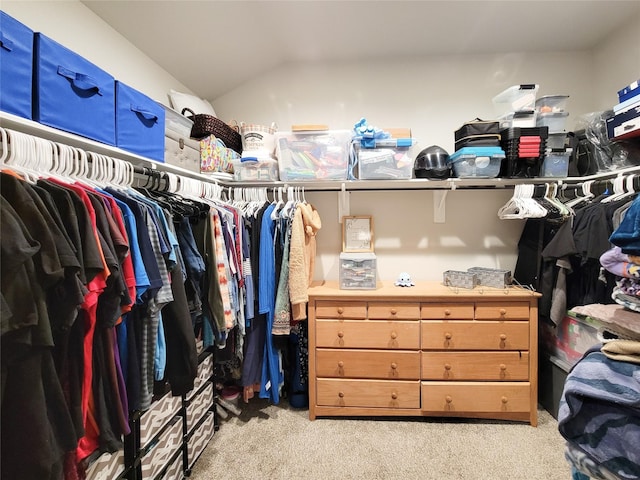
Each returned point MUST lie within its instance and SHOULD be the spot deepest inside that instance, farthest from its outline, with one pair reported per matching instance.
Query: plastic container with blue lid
(477, 162)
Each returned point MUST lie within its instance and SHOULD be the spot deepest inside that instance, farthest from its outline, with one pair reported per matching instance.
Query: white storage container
(385, 163)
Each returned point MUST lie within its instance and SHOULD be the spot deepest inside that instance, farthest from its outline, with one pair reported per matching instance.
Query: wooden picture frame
(357, 233)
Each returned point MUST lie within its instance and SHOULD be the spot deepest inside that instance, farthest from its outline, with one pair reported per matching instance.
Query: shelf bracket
(344, 208)
(439, 206)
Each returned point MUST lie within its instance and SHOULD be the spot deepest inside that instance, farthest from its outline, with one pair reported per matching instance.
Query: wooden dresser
(426, 350)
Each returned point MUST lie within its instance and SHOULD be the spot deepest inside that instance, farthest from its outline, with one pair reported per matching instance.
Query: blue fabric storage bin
(73, 94)
(16, 67)
(139, 123)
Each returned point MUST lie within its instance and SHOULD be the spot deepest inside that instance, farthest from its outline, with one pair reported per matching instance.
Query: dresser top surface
(386, 289)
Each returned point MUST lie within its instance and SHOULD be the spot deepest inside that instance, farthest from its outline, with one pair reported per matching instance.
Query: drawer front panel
(205, 371)
(447, 311)
(390, 311)
(200, 438)
(368, 334)
(493, 366)
(476, 397)
(158, 456)
(341, 309)
(160, 413)
(106, 466)
(502, 311)
(392, 365)
(198, 406)
(475, 335)
(368, 393)
(175, 471)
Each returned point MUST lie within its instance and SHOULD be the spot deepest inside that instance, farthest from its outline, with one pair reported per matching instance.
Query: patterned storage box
(457, 278)
(491, 277)
(215, 157)
(107, 466)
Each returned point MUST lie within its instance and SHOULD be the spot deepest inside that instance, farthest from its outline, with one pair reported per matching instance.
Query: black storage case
(477, 133)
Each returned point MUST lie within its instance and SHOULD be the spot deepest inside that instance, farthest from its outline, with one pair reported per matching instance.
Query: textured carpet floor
(278, 442)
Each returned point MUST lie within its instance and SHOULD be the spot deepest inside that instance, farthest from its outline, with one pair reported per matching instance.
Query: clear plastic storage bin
(552, 103)
(516, 98)
(555, 164)
(313, 155)
(262, 170)
(384, 163)
(357, 271)
(555, 121)
(477, 162)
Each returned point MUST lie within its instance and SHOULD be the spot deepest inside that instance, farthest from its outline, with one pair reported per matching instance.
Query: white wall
(73, 25)
(616, 64)
(433, 96)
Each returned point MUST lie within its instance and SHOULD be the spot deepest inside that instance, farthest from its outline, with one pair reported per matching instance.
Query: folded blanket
(600, 412)
(622, 350)
(615, 318)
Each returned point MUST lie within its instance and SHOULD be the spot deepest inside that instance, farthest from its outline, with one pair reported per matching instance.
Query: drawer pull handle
(448, 399)
(505, 399)
(447, 312)
(340, 334)
(340, 310)
(394, 395)
(447, 366)
(340, 364)
(393, 311)
(394, 335)
(447, 336)
(503, 367)
(503, 312)
(394, 365)
(503, 336)
(341, 394)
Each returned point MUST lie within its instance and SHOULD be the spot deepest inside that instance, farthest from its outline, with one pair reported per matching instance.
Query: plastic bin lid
(553, 114)
(467, 152)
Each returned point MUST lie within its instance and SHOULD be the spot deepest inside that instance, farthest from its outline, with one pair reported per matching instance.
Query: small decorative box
(457, 278)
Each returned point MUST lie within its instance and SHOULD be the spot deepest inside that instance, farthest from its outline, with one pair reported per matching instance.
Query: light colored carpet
(279, 442)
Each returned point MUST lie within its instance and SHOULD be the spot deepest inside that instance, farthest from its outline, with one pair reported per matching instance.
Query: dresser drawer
(368, 334)
(474, 335)
(200, 438)
(462, 397)
(340, 309)
(504, 366)
(390, 311)
(368, 393)
(204, 374)
(502, 311)
(368, 364)
(447, 311)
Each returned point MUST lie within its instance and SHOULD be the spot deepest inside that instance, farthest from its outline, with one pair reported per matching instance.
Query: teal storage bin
(16, 67)
(73, 94)
(139, 123)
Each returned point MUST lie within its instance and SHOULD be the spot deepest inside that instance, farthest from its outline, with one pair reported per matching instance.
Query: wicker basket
(491, 277)
(456, 278)
(205, 125)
